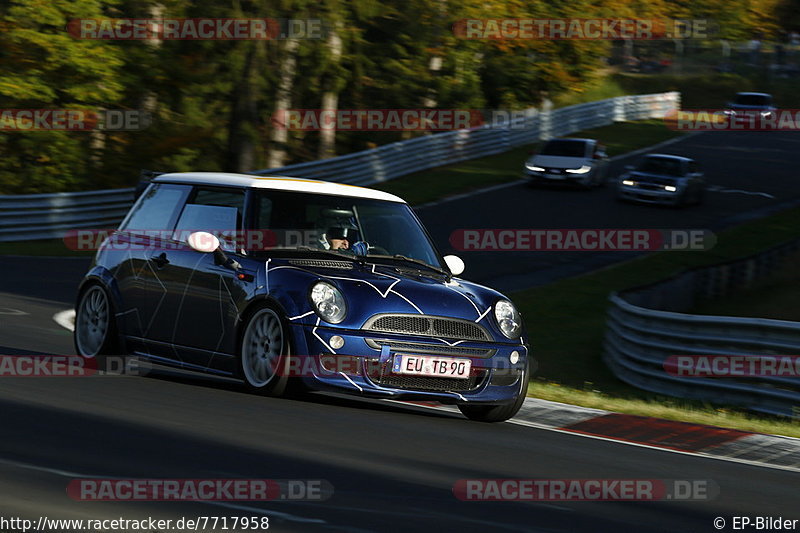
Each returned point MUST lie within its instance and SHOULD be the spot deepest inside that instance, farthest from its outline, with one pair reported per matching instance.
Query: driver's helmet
(342, 232)
(339, 229)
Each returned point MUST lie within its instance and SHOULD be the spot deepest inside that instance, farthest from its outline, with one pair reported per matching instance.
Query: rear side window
(213, 210)
(157, 208)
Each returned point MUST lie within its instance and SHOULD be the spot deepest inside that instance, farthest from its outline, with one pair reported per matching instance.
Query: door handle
(160, 260)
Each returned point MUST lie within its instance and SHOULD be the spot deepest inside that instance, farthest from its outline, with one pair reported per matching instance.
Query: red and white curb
(772, 451)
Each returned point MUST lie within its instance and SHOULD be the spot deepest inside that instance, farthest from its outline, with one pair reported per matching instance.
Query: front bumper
(649, 196)
(551, 177)
(363, 366)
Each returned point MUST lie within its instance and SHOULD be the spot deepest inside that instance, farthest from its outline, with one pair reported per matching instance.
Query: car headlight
(583, 170)
(328, 302)
(629, 183)
(670, 188)
(534, 168)
(508, 319)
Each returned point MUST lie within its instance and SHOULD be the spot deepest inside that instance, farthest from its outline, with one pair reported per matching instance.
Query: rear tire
(502, 412)
(95, 334)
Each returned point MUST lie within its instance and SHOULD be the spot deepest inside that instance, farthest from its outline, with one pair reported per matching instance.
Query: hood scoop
(322, 263)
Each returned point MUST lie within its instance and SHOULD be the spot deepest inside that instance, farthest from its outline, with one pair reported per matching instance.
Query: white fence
(43, 216)
(404, 157)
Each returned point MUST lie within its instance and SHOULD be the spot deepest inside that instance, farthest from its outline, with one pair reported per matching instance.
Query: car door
(696, 176)
(600, 160)
(137, 275)
(198, 317)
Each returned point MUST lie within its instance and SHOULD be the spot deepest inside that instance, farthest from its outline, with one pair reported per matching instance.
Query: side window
(157, 208)
(214, 210)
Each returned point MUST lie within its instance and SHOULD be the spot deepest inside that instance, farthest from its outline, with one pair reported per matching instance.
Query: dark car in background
(663, 179)
(749, 102)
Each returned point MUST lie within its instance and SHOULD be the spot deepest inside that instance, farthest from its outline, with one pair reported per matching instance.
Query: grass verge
(566, 321)
(440, 182)
(42, 248)
(775, 297)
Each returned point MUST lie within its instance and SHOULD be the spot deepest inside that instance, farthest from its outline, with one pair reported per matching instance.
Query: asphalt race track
(746, 172)
(392, 467)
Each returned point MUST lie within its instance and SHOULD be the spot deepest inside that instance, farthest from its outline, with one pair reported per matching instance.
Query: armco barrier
(645, 327)
(48, 216)
(43, 216)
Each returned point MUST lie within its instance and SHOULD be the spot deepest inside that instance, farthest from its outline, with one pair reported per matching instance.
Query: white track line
(547, 427)
(65, 319)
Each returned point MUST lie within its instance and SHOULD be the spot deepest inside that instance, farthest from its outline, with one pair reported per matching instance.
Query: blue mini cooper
(287, 282)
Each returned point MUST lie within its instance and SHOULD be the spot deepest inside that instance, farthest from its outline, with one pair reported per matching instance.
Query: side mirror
(455, 264)
(201, 241)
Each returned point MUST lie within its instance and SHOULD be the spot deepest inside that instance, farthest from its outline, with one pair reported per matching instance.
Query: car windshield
(308, 221)
(661, 165)
(564, 148)
(753, 99)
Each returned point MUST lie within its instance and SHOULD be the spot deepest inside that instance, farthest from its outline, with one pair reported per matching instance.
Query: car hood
(557, 161)
(648, 177)
(742, 107)
(371, 289)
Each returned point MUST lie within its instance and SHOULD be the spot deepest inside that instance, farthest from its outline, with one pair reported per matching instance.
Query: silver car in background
(570, 160)
(663, 179)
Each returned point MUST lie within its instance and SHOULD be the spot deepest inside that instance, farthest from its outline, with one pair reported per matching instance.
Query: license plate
(441, 367)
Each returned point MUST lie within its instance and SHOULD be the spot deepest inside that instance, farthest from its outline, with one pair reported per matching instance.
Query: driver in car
(339, 237)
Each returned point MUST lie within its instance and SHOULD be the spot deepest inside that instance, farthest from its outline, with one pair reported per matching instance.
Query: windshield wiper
(417, 262)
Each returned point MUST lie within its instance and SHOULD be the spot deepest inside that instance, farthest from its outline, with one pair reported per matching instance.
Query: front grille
(651, 186)
(429, 326)
(423, 347)
(383, 375)
(322, 263)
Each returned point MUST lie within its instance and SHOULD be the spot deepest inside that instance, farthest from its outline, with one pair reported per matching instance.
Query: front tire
(264, 353)
(499, 413)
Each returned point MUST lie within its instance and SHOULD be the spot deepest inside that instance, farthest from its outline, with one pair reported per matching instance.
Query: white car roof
(282, 183)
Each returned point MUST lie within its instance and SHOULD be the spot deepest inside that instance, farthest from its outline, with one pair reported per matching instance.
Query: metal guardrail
(43, 216)
(645, 327)
(48, 216)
